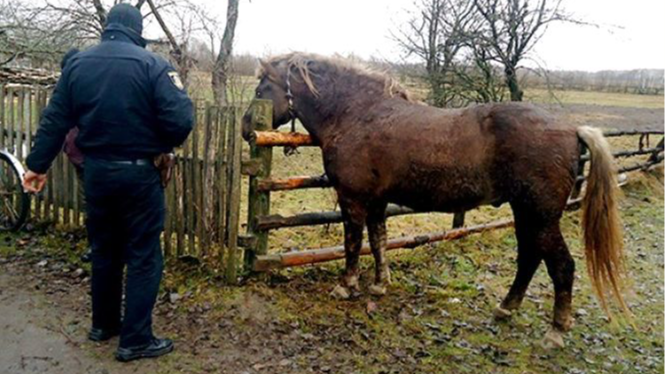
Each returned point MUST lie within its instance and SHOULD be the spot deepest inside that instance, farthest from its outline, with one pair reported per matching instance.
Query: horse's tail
(603, 240)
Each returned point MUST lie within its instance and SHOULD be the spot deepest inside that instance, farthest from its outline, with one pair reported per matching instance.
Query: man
(129, 106)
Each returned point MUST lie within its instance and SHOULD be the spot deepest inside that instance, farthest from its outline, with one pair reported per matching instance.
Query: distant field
(540, 95)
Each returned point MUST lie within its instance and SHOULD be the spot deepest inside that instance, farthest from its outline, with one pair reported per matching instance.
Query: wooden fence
(260, 221)
(202, 200)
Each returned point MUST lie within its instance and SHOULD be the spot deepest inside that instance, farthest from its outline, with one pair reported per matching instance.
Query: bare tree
(220, 70)
(511, 28)
(436, 35)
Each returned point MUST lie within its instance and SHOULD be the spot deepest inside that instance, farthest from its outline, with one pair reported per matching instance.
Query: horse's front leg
(376, 227)
(354, 215)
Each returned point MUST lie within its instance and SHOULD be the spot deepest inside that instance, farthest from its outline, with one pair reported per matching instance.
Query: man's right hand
(33, 182)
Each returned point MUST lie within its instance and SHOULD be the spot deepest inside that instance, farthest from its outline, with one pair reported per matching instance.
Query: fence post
(577, 188)
(258, 201)
(234, 150)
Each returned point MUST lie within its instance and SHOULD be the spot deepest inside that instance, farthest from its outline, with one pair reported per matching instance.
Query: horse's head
(274, 85)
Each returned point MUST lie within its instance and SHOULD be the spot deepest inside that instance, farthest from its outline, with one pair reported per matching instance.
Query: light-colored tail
(603, 237)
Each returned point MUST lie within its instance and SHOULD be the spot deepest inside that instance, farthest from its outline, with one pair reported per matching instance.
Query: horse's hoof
(341, 293)
(552, 340)
(501, 313)
(386, 276)
(352, 282)
(377, 290)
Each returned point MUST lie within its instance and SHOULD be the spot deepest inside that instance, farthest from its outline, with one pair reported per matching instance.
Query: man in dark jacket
(129, 106)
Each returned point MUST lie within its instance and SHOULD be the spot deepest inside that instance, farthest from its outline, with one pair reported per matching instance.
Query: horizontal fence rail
(260, 222)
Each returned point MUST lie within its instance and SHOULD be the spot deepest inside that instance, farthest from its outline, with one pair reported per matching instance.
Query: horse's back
(448, 160)
(535, 155)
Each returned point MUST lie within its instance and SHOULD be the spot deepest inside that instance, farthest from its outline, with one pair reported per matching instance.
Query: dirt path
(39, 336)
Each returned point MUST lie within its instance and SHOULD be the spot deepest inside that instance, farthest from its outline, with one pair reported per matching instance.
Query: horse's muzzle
(247, 127)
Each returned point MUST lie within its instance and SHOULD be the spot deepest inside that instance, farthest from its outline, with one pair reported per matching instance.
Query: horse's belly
(445, 196)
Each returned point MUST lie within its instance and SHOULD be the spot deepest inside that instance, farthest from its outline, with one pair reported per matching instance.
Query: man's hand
(33, 182)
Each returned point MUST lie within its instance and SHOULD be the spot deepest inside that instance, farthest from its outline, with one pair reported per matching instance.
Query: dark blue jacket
(124, 99)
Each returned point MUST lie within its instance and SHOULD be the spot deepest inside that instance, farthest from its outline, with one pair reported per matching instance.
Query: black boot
(100, 335)
(158, 347)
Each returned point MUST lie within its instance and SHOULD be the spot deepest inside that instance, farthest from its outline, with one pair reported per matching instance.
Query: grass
(436, 316)
(540, 95)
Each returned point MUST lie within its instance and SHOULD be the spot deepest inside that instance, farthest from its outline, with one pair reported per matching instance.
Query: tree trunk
(220, 70)
(513, 85)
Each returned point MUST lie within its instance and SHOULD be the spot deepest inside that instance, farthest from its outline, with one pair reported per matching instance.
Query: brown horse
(380, 147)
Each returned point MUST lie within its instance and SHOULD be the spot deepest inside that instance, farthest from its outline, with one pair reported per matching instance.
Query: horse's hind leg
(353, 214)
(561, 268)
(540, 239)
(529, 256)
(376, 228)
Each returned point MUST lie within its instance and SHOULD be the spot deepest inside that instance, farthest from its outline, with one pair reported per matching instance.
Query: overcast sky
(631, 33)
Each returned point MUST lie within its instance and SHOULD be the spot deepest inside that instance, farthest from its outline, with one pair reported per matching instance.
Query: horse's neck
(324, 121)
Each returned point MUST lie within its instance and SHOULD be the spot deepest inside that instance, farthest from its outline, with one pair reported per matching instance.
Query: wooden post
(205, 184)
(222, 118)
(577, 188)
(258, 201)
(179, 189)
(20, 122)
(3, 123)
(233, 217)
(195, 219)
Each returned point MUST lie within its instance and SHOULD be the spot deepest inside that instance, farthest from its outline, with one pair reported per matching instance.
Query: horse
(379, 146)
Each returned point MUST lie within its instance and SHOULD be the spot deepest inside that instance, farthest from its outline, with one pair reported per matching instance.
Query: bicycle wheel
(14, 201)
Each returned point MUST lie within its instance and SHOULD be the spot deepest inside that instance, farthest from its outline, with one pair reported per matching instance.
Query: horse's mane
(335, 66)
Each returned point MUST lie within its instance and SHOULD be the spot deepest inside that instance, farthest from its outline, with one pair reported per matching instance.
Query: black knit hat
(126, 15)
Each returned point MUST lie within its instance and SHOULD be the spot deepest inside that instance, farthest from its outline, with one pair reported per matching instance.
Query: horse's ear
(268, 69)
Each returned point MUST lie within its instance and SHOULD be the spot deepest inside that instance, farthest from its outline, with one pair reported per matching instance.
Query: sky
(630, 33)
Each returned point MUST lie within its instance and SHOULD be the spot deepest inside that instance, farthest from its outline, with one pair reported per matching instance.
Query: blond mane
(336, 66)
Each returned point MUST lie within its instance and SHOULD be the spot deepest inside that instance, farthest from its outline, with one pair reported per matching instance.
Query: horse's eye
(258, 93)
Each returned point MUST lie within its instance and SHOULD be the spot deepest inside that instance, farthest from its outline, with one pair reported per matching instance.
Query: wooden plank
(293, 183)
(189, 197)
(38, 109)
(78, 203)
(30, 118)
(48, 193)
(276, 221)
(3, 114)
(280, 139)
(168, 217)
(613, 133)
(235, 150)
(223, 115)
(258, 202)
(205, 199)
(298, 258)
(579, 181)
(20, 124)
(179, 196)
(196, 183)
(11, 121)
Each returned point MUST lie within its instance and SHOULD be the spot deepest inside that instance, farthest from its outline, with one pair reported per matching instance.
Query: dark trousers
(125, 206)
